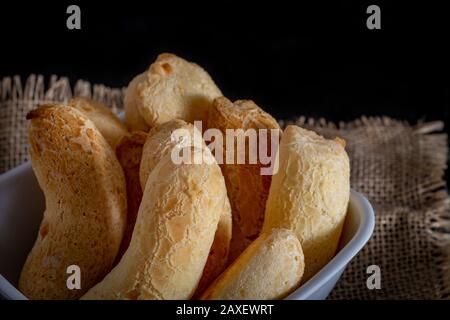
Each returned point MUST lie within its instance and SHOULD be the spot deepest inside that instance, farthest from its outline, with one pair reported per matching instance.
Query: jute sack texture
(398, 166)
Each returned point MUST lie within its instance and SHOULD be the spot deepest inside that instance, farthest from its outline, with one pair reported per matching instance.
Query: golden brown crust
(159, 144)
(129, 154)
(172, 88)
(173, 234)
(133, 119)
(104, 119)
(244, 181)
(218, 255)
(269, 268)
(309, 194)
(85, 213)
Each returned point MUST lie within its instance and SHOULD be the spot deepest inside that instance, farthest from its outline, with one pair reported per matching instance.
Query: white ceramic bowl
(22, 204)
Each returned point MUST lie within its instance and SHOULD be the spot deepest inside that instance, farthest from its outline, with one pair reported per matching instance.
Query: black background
(318, 61)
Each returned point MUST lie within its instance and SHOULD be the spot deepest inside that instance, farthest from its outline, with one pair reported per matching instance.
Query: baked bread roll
(133, 119)
(172, 88)
(160, 143)
(271, 267)
(173, 234)
(104, 119)
(309, 194)
(129, 154)
(247, 187)
(85, 196)
(218, 255)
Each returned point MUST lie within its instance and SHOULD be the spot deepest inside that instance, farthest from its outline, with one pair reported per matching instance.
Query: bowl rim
(14, 171)
(365, 229)
(7, 289)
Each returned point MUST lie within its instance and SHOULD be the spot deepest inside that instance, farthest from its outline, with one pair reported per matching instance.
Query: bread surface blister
(141, 226)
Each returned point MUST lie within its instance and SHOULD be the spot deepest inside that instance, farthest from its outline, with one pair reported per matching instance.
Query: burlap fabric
(17, 98)
(399, 167)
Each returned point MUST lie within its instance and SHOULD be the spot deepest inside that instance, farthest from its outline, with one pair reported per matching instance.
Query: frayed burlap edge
(17, 98)
(59, 89)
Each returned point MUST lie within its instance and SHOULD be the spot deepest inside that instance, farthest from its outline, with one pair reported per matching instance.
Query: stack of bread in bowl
(140, 225)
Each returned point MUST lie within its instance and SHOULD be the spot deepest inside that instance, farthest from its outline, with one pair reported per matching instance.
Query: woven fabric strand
(398, 167)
